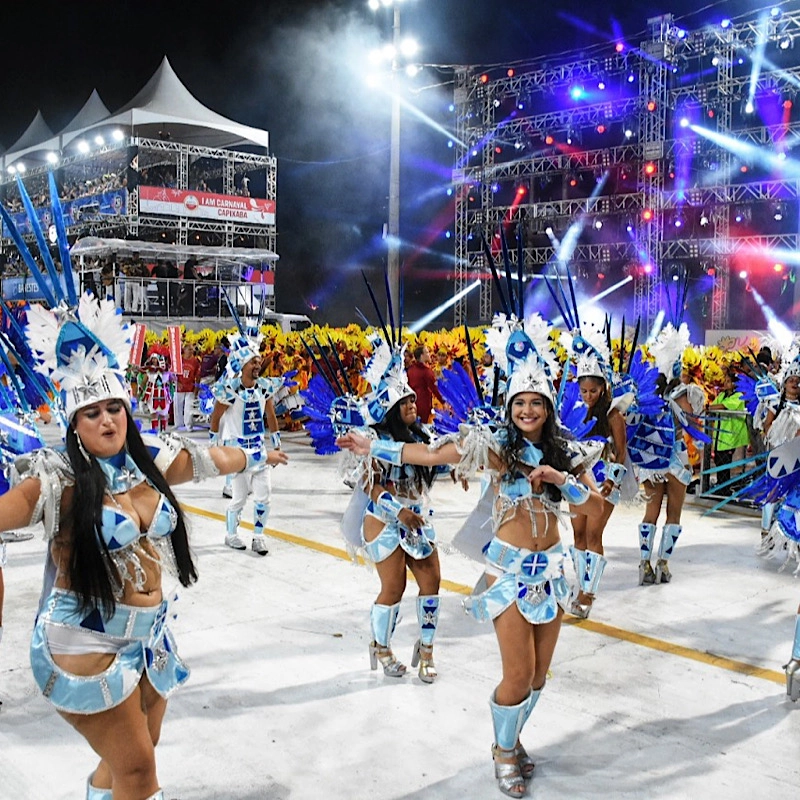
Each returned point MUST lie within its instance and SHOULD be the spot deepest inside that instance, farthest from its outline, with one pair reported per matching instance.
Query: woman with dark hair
(396, 535)
(523, 589)
(592, 359)
(101, 652)
(609, 424)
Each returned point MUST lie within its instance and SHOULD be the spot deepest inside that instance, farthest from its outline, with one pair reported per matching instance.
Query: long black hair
(599, 411)
(552, 445)
(92, 574)
(392, 425)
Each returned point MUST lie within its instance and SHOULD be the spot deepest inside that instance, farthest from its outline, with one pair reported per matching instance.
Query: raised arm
(188, 466)
(418, 453)
(18, 504)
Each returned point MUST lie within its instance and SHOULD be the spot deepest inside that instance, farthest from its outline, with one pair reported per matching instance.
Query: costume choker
(121, 472)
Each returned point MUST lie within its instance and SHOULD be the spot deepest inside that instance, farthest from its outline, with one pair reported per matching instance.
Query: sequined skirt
(149, 648)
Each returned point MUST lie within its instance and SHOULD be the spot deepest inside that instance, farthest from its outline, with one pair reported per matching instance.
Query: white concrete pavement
(671, 691)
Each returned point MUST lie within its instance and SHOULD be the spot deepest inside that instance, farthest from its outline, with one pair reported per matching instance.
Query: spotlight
(651, 105)
(726, 23)
(510, 72)
(576, 92)
(704, 219)
(619, 47)
(684, 122)
(601, 85)
(598, 224)
(631, 77)
(650, 168)
(743, 274)
(785, 42)
(549, 139)
(647, 215)
(777, 267)
(52, 158)
(749, 108)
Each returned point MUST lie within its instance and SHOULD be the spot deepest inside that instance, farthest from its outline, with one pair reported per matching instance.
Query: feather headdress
(247, 344)
(667, 350)
(83, 345)
(385, 371)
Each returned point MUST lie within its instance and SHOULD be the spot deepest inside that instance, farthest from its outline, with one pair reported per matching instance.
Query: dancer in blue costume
(243, 404)
(592, 356)
(523, 589)
(102, 652)
(778, 486)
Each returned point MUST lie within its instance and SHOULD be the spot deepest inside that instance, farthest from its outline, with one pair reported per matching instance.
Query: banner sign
(19, 288)
(180, 203)
(175, 355)
(137, 345)
(84, 209)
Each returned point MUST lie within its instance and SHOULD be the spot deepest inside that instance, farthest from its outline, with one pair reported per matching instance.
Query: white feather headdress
(668, 349)
(589, 350)
(387, 376)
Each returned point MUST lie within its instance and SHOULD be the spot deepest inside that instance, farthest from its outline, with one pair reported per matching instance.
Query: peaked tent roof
(38, 131)
(163, 105)
(164, 100)
(93, 110)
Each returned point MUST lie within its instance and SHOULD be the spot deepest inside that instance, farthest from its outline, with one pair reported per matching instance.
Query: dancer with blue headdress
(243, 414)
(658, 449)
(523, 590)
(775, 485)
(102, 651)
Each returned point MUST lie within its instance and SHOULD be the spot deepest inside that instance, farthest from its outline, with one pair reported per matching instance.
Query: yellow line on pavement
(611, 631)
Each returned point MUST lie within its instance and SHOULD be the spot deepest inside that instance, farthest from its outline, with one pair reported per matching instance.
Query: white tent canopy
(164, 102)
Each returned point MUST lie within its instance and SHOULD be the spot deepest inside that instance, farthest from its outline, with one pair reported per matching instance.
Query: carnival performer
(242, 402)
(155, 391)
(523, 590)
(663, 463)
(102, 652)
(592, 359)
(395, 528)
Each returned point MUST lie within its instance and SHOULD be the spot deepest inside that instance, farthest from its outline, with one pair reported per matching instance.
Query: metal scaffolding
(527, 152)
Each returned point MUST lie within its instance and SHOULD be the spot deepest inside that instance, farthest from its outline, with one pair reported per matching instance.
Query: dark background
(294, 68)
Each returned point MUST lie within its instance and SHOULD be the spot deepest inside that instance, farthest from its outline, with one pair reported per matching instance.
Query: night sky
(292, 68)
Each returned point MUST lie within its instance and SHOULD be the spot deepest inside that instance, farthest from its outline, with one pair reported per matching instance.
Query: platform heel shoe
(508, 767)
(383, 620)
(428, 619)
(423, 656)
(392, 668)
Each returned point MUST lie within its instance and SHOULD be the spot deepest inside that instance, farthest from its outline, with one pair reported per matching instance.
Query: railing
(176, 297)
(712, 430)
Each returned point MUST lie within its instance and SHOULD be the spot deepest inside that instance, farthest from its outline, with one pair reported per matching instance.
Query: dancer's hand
(275, 457)
(410, 519)
(354, 442)
(544, 473)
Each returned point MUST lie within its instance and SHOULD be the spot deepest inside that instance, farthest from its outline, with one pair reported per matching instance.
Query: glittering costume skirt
(149, 647)
(534, 580)
(678, 467)
(419, 544)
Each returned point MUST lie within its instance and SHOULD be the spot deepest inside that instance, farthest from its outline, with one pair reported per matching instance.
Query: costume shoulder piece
(53, 470)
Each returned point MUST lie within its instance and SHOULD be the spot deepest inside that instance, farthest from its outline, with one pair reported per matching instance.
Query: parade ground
(670, 691)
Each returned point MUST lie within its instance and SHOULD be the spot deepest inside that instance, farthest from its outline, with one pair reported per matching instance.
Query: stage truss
(504, 116)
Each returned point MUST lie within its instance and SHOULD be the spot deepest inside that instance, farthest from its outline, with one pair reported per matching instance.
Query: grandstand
(158, 182)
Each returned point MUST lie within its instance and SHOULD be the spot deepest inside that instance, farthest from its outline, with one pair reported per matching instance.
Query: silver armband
(203, 465)
(574, 492)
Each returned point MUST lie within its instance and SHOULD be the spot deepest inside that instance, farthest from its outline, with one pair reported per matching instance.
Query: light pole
(393, 233)
(393, 226)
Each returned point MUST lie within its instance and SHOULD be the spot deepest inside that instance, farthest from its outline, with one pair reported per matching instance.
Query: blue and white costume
(138, 636)
(657, 447)
(242, 425)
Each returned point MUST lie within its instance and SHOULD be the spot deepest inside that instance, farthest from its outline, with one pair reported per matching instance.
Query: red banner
(180, 203)
(175, 356)
(137, 345)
